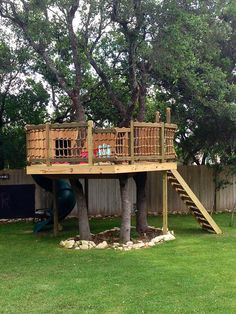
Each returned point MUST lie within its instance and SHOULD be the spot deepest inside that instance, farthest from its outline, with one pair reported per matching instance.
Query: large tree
(48, 30)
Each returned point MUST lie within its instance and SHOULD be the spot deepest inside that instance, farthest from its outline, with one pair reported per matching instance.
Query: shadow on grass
(190, 230)
(183, 225)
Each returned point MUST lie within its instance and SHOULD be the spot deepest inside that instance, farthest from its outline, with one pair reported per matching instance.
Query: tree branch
(116, 102)
(131, 35)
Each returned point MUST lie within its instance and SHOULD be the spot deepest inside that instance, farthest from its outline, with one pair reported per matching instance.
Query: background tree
(48, 29)
(194, 73)
(22, 101)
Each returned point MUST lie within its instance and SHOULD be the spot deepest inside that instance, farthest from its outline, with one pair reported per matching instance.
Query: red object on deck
(85, 155)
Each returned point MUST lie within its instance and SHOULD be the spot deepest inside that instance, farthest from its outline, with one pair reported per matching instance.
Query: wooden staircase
(192, 202)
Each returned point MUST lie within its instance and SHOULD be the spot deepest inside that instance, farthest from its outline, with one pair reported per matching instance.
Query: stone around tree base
(130, 245)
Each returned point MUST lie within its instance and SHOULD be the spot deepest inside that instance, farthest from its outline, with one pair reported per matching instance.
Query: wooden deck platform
(86, 169)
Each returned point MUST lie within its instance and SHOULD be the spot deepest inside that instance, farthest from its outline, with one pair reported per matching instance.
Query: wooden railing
(79, 143)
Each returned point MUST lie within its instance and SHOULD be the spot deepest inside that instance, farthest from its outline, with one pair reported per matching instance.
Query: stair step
(185, 197)
(209, 229)
(176, 185)
(194, 208)
(181, 190)
(202, 220)
(171, 176)
(198, 214)
(206, 225)
(189, 202)
(173, 180)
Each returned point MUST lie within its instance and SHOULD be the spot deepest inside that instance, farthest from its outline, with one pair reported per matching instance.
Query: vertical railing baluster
(132, 141)
(47, 144)
(90, 142)
(162, 142)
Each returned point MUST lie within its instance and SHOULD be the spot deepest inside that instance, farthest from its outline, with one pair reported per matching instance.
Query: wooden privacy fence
(201, 181)
(104, 196)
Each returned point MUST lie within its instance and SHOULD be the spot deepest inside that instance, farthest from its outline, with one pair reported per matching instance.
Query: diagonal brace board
(196, 202)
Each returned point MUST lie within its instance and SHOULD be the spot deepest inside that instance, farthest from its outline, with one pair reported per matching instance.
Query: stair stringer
(196, 202)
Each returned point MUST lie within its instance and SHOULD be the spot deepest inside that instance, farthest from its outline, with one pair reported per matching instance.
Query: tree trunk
(84, 229)
(141, 205)
(2, 161)
(126, 210)
(77, 113)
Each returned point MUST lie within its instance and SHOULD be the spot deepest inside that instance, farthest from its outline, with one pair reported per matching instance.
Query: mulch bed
(112, 236)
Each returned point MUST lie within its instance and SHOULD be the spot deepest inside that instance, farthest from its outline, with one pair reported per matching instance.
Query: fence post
(90, 142)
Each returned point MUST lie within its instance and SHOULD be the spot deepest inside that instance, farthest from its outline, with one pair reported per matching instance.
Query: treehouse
(82, 150)
(79, 148)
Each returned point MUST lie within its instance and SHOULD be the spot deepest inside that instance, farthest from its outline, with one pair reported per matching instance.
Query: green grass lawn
(196, 273)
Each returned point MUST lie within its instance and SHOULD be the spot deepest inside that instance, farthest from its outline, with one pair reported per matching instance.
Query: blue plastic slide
(65, 198)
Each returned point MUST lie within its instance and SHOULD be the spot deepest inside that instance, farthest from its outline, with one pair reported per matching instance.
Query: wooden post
(90, 142)
(168, 115)
(159, 141)
(55, 210)
(86, 190)
(162, 142)
(132, 141)
(47, 144)
(164, 202)
(157, 117)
